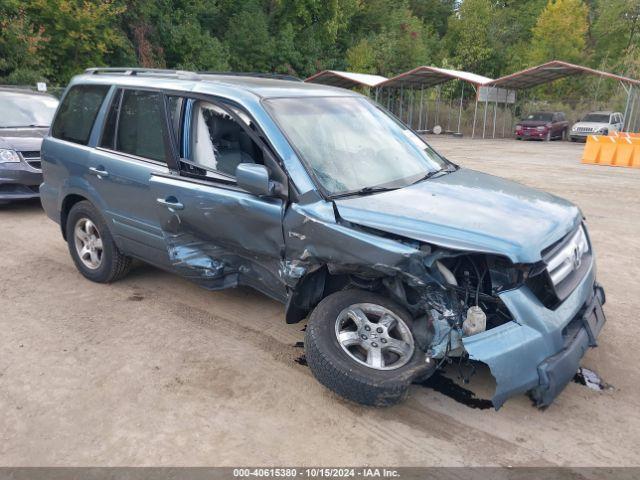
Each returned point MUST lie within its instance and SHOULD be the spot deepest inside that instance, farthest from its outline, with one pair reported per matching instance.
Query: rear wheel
(91, 246)
(360, 345)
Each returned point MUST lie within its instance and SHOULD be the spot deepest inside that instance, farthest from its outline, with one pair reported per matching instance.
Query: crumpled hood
(468, 210)
(22, 139)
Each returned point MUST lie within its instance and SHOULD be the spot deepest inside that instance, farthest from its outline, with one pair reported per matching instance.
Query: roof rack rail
(278, 76)
(140, 70)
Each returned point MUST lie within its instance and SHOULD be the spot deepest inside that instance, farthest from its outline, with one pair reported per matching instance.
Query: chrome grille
(568, 257)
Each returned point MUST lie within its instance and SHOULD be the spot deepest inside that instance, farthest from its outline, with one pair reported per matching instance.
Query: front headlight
(8, 156)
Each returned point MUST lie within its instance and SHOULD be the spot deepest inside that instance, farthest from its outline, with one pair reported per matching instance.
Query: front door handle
(99, 172)
(171, 203)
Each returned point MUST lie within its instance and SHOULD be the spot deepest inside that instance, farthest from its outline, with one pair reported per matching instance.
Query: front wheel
(360, 345)
(91, 246)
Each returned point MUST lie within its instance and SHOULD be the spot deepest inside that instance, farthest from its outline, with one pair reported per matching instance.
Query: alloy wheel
(374, 336)
(88, 243)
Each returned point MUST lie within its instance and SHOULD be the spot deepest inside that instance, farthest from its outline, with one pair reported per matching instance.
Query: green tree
(21, 46)
(174, 34)
(560, 32)
(249, 41)
(79, 34)
(470, 37)
(434, 13)
(391, 39)
(616, 29)
(362, 57)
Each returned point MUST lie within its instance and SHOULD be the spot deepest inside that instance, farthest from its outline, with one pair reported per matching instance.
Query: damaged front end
(466, 306)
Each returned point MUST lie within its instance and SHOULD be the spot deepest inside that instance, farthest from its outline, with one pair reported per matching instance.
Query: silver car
(597, 123)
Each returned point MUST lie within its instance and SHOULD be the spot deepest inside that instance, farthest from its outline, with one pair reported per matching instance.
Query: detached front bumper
(19, 181)
(540, 351)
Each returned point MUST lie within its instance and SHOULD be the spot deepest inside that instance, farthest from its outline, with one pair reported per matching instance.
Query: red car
(543, 126)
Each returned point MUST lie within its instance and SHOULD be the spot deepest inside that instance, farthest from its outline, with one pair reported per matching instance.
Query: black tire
(114, 264)
(336, 370)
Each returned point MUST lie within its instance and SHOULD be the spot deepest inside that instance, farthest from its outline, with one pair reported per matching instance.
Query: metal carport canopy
(548, 72)
(346, 79)
(430, 76)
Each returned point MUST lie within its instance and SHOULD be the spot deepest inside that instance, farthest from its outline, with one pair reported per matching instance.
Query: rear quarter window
(78, 112)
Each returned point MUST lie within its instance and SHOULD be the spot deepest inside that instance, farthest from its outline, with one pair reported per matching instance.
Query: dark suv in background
(543, 126)
(25, 117)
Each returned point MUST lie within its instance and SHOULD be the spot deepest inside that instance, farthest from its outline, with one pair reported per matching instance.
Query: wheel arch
(67, 204)
(315, 286)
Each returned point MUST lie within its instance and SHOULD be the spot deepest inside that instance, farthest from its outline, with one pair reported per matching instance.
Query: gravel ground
(153, 370)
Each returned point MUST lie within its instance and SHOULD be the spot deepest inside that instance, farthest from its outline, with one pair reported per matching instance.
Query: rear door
(133, 146)
(216, 233)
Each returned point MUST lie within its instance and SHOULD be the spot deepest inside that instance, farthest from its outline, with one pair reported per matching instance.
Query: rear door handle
(171, 203)
(99, 172)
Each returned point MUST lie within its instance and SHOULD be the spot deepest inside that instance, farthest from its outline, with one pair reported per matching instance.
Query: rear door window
(78, 112)
(141, 126)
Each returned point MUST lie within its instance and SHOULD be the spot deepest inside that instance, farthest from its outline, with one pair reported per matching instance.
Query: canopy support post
(484, 120)
(460, 109)
(426, 120)
(631, 109)
(626, 108)
(475, 114)
(411, 108)
(495, 115)
(421, 106)
(437, 120)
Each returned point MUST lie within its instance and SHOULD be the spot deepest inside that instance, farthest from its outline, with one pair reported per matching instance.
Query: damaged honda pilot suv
(317, 197)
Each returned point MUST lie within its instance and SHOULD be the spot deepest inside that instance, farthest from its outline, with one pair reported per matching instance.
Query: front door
(220, 237)
(216, 233)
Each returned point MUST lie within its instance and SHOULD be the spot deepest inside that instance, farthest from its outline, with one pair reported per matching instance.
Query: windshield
(351, 145)
(540, 117)
(26, 110)
(596, 118)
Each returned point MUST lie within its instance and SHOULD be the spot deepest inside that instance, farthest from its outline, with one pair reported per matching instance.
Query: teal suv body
(400, 260)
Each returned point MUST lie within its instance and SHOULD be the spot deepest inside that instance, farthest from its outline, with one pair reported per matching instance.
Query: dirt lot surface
(153, 370)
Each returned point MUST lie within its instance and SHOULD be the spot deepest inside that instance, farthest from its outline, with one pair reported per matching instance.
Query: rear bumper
(540, 351)
(19, 181)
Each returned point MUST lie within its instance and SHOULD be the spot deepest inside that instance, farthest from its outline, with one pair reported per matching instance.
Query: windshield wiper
(364, 191)
(431, 174)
